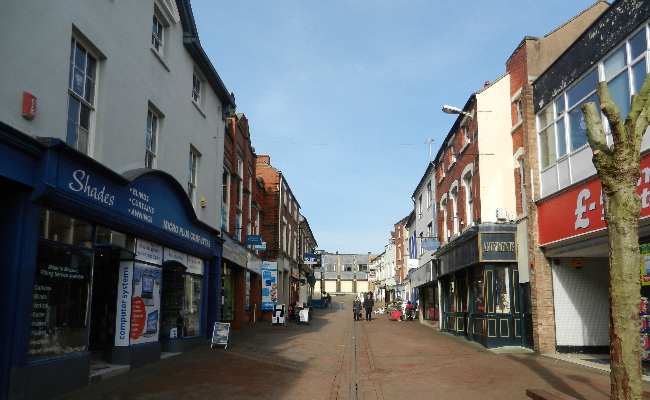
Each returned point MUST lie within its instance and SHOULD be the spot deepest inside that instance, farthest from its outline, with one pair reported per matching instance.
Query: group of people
(368, 303)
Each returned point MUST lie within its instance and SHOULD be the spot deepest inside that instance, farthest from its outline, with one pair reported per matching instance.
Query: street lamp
(454, 110)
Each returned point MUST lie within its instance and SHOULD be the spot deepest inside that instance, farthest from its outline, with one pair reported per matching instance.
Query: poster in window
(269, 284)
(645, 264)
(145, 304)
(59, 302)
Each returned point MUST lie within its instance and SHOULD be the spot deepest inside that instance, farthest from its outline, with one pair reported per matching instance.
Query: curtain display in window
(60, 296)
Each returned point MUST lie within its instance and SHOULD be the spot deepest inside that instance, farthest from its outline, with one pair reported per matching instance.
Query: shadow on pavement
(553, 379)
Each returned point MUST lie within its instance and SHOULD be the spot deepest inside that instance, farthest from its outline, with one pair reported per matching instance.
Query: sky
(343, 95)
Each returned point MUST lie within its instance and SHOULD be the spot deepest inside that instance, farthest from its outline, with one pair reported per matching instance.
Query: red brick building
(240, 216)
(475, 198)
(401, 257)
(280, 230)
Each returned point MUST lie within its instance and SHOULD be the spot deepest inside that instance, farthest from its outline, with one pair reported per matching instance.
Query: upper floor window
(157, 34)
(518, 109)
(82, 80)
(465, 135)
(196, 88)
(191, 177)
(151, 140)
(561, 126)
(467, 182)
(420, 206)
(225, 198)
(429, 195)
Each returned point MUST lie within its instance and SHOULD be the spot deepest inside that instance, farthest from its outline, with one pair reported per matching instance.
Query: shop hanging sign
(147, 200)
(430, 244)
(269, 284)
(372, 275)
(309, 259)
(253, 239)
(645, 264)
(580, 210)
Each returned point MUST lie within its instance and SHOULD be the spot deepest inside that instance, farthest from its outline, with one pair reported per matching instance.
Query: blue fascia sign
(309, 258)
(148, 201)
(430, 244)
(253, 239)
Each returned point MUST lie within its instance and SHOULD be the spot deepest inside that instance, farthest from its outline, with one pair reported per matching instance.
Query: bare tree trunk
(618, 169)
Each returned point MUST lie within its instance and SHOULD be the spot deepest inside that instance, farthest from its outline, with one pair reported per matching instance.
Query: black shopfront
(480, 292)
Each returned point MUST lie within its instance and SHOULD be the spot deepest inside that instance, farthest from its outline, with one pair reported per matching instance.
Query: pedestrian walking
(368, 304)
(356, 308)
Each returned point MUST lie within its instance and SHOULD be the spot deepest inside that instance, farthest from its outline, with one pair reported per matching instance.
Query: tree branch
(613, 115)
(595, 133)
(639, 104)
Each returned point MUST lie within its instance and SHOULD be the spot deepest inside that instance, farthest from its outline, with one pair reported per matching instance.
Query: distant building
(345, 273)
(280, 230)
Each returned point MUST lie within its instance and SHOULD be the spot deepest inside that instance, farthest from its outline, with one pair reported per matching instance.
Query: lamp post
(455, 110)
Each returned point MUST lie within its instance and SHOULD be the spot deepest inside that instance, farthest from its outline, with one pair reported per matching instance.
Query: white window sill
(198, 108)
(464, 147)
(159, 57)
(515, 126)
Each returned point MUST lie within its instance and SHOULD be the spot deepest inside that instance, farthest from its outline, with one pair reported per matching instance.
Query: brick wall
(524, 135)
(465, 154)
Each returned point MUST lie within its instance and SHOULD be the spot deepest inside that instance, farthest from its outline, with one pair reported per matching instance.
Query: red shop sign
(580, 210)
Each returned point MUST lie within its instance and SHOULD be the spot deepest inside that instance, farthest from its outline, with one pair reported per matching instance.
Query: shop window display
(228, 295)
(181, 304)
(502, 290)
(478, 289)
(461, 294)
(60, 298)
(66, 229)
(108, 236)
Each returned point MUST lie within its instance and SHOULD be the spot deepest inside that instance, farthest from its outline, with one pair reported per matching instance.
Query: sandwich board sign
(221, 335)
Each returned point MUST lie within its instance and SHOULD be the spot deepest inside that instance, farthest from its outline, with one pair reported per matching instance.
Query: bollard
(341, 305)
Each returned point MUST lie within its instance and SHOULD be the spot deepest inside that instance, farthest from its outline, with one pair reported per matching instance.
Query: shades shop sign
(147, 201)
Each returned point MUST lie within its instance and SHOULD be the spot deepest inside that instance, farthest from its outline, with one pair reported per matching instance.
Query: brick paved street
(337, 358)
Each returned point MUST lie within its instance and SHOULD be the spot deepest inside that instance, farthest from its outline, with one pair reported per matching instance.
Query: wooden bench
(539, 394)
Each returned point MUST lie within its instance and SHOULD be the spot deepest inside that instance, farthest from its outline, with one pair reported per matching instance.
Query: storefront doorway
(104, 300)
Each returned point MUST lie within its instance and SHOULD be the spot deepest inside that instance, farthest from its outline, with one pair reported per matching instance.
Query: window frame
(561, 113)
(158, 33)
(192, 178)
(197, 87)
(151, 146)
(86, 101)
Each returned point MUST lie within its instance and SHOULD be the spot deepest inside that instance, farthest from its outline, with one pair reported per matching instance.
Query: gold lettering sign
(495, 247)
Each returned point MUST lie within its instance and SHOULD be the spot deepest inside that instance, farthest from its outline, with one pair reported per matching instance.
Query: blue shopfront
(95, 264)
